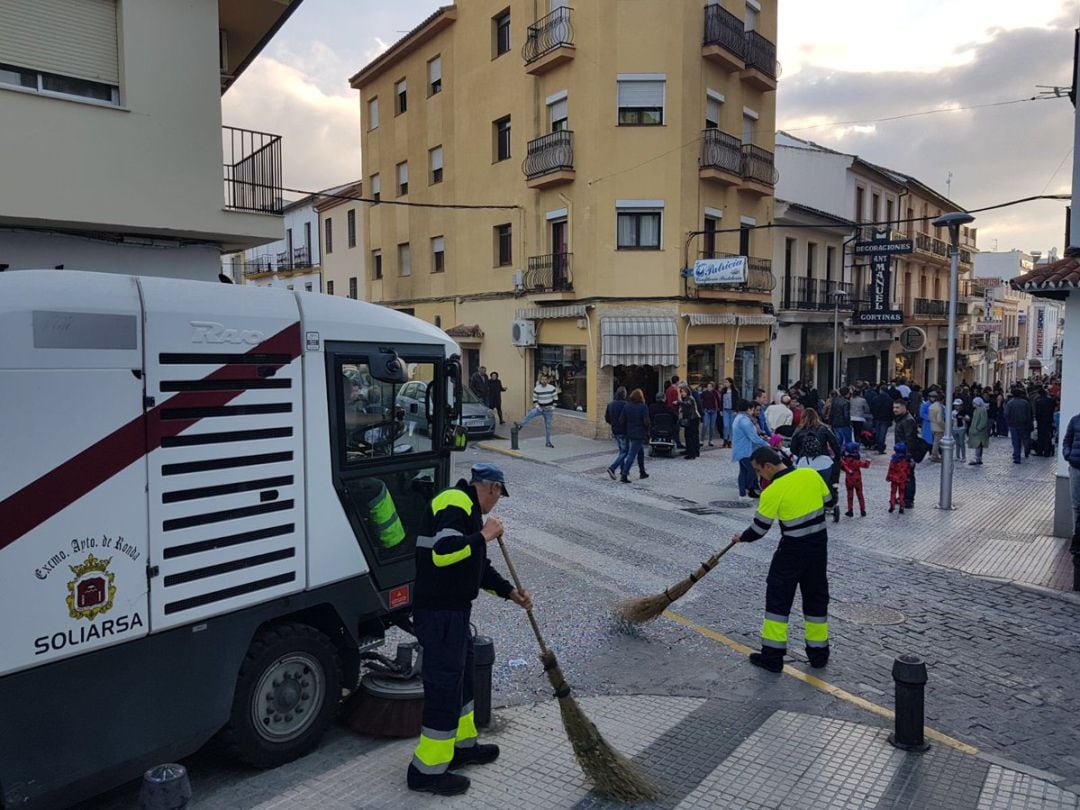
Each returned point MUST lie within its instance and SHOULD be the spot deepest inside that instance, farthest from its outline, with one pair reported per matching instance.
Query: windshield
(468, 396)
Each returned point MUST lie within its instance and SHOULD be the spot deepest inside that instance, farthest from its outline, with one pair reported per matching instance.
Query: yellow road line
(817, 683)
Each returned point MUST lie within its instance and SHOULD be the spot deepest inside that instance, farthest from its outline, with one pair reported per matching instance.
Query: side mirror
(453, 374)
(387, 367)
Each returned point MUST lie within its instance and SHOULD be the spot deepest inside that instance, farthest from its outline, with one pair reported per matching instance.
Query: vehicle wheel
(287, 693)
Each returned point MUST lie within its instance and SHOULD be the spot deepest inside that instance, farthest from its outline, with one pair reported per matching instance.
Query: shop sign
(883, 247)
(731, 270)
(872, 317)
(988, 326)
(912, 339)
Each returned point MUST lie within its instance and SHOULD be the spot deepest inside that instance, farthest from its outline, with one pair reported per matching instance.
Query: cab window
(383, 420)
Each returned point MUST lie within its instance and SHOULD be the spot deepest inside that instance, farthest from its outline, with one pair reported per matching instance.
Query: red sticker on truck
(399, 597)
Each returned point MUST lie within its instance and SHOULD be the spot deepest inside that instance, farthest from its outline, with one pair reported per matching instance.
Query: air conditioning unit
(519, 280)
(523, 333)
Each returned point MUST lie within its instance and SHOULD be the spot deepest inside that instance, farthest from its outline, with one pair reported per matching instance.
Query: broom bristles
(609, 771)
(638, 611)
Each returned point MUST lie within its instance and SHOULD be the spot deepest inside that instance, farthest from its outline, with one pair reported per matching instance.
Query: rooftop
(1054, 280)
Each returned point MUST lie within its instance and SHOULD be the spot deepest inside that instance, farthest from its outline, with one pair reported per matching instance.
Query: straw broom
(609, 771)
(638, 611)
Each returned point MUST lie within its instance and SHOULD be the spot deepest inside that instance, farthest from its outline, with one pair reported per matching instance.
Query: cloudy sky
(843, 61)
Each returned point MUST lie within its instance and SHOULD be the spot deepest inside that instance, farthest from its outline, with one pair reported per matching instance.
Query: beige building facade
(113, 139)
(342, 241)
(595, 154)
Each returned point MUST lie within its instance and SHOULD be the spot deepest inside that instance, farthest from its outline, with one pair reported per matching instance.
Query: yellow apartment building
(607, 148)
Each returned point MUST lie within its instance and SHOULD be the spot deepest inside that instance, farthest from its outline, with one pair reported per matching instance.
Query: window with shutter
(434, 72)
(641, 100)
(436, 158)
(401, 98)
(404, 264)
(403, 179)
(557, 114)
(67, 47)
(712, 110)
(373, 114)
(376, 187)
(438, 254)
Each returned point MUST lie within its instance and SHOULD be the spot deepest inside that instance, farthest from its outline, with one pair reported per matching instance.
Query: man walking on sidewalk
(937, 426)
(544, 396)
(1070, 448)
(798, 497)
(1021, 421)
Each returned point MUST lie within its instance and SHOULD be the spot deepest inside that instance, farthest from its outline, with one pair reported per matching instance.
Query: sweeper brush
(609, 771)
(638, 611)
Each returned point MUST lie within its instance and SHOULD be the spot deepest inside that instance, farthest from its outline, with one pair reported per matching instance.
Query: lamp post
(953, 222)
(838, 296)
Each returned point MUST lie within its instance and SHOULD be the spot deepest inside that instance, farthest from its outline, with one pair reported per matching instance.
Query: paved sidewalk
(701, 753)
(1000, 527)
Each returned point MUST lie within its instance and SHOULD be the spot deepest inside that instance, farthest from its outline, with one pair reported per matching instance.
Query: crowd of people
(831, 434)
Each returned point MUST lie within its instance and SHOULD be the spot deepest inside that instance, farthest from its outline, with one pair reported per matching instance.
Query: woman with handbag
(690, 421)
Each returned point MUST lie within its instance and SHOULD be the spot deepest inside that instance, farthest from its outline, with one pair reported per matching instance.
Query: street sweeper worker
(451, 568)
(798, 498)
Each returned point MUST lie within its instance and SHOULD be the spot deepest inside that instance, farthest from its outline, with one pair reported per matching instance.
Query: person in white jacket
(779, 414)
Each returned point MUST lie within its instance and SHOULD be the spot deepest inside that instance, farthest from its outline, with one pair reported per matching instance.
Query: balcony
(935, 308)
(761, 69)
(759, 277)
(299, 259)
(1012, 342)
(550, 273)
(931, 246)
(758, 170)
(549, 160)
(721, 156)
(252, 162)
(725, 40)
(817, 294)
(549, 42)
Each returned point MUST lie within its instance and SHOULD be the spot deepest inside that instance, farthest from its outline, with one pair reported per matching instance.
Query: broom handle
(517, 584)
(710, 563)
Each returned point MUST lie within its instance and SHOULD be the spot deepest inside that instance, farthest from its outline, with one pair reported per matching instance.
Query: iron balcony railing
(757, 164)
(724, 29)
(549, 153)
(552, 272)
(759, 275)
(965, 256)
(926, 243)
(547, 34)
(813, 293)
(253, 178)
(719, 150)
(936, 308)
(1012, 342)
(761, 54)
(299, 259)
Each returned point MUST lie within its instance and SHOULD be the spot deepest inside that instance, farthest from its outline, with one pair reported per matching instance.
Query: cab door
(388, 454)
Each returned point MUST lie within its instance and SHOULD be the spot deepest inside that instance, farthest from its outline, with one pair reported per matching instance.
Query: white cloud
(320, 130)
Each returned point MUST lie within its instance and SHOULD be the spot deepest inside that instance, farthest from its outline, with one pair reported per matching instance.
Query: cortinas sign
(720, 271)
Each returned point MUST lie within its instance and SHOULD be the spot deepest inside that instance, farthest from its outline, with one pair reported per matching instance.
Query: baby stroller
(662, 435)
(785, 432)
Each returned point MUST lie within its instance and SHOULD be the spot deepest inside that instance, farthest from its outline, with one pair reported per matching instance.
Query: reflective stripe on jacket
(798, 498)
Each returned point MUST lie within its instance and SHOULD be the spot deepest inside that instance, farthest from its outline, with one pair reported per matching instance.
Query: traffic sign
(884, 247)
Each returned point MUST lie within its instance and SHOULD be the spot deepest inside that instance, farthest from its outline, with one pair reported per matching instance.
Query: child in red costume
(899, 470)
(776, 442)
(853, 465)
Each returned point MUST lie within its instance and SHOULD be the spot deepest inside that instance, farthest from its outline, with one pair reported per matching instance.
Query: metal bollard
(165, 787)
(513, 437)
(909, 673)
(483, 661)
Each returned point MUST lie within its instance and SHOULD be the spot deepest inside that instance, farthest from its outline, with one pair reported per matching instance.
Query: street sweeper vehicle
(209, 500)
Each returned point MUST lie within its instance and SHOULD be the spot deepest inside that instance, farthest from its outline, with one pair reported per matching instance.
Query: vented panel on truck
(226, 483)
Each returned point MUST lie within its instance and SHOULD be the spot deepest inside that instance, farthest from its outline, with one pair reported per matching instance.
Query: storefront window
(704, 363)
(746, 371)
(566, 366)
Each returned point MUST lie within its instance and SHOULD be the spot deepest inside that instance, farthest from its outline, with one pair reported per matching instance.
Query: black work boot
(771, 663)
(479, 754)
(817, 656)
(441, 784)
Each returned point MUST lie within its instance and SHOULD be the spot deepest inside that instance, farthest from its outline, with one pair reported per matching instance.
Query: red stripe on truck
(62, 486)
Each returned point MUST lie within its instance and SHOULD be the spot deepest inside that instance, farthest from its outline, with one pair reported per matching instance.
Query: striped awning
(728, 319)
(540, 313)
(639, 341)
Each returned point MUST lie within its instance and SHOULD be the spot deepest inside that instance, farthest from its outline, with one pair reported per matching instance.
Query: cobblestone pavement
(1001, 659)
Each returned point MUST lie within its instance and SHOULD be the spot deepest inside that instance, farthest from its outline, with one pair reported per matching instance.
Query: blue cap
(489, 474)
(853, 448)
(900, 447)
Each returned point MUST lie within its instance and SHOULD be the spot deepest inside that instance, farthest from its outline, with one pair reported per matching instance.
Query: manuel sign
(731, 270)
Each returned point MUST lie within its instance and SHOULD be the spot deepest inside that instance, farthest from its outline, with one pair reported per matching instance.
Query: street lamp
(838, 297)
(953, 222)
